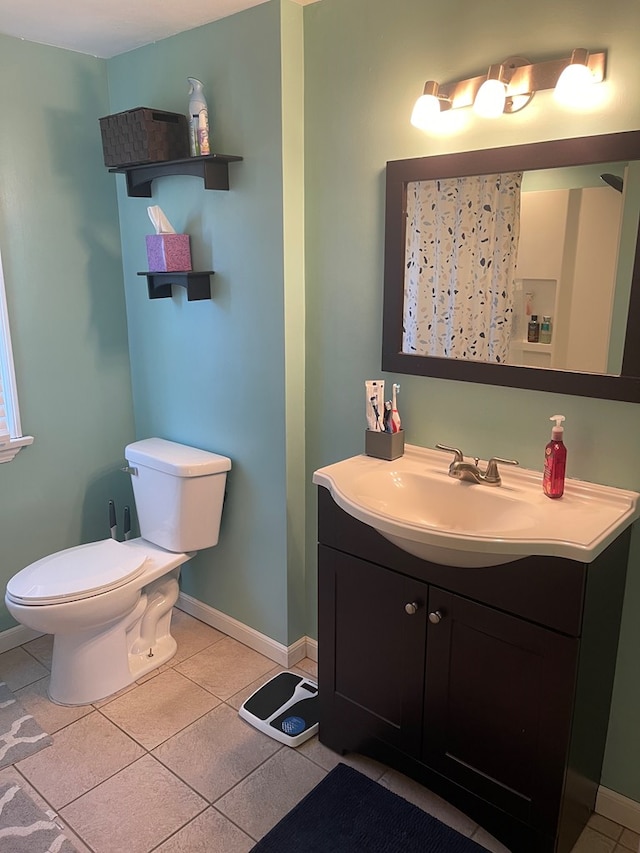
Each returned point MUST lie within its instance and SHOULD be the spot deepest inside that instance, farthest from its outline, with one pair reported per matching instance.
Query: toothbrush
(388, 420)
(396, 423)
(113, 526)
(374, 406)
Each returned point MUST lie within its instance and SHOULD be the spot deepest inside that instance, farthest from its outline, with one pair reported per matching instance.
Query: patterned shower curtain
(461, 248)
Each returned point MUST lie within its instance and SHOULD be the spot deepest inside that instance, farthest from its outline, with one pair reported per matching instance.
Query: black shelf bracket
(212, 168)
(197, 284)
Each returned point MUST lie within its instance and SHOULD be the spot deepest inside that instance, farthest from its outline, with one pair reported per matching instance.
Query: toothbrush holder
(384, 445)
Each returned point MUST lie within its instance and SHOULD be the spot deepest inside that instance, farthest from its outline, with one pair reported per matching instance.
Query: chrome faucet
(461, 470)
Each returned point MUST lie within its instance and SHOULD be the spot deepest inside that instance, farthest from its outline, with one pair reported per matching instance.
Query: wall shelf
(197, 284)
(212, 168)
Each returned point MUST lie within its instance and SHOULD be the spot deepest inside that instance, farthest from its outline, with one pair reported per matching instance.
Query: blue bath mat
(348, 813)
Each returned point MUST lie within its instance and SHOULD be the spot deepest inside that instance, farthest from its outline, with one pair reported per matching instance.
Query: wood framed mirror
(618, 148)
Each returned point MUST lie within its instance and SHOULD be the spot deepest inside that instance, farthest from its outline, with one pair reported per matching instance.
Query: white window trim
(8, 387)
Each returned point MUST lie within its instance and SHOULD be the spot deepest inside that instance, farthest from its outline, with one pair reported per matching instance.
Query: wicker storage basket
(143, 135)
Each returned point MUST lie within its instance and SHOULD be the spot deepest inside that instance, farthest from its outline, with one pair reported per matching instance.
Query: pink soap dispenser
(555, 461)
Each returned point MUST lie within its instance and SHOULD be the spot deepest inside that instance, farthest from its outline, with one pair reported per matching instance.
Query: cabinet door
(371, 654)
(498, 703)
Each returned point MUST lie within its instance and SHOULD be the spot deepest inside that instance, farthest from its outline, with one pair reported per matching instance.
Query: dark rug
(348, 813)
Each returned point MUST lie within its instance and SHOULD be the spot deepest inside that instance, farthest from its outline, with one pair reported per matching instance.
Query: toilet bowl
(108, 604)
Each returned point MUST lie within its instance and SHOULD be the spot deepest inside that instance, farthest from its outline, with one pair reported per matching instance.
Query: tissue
(166, 250)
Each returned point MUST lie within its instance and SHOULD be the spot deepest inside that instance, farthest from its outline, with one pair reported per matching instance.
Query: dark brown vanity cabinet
(490, 686)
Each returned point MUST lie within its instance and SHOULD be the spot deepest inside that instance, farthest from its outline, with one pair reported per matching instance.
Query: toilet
(108, 604)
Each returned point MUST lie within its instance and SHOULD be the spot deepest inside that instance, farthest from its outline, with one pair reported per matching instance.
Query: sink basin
(413, 503)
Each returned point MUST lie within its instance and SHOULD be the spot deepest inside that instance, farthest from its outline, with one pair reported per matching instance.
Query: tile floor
(167, 765)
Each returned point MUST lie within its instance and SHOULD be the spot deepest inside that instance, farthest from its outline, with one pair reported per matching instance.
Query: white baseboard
(284, 655)
(618, 808)
(312, 649)
(13, 637)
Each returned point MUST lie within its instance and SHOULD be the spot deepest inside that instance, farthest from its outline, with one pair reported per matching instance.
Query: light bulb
(425, 112)
(489, 102)
(574, 85)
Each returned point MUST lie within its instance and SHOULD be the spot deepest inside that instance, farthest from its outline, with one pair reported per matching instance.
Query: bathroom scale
(285, 708)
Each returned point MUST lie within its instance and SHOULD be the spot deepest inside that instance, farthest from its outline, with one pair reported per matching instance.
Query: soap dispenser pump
(555, 460)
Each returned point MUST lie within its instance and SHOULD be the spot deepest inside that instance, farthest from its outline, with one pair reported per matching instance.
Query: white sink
(413, 503)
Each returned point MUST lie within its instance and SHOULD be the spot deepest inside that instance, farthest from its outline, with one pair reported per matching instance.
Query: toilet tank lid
(177, 459)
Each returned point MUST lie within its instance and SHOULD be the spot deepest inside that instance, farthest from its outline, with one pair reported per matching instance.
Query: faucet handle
(492, 475)
(458, 457)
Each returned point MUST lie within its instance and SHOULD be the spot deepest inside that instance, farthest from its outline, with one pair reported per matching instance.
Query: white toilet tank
(179, 492)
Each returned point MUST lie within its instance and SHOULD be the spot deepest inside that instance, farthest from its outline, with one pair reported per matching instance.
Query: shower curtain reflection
(461, 250)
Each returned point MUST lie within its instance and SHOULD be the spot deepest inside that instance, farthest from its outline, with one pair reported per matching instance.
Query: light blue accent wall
(212, 373)
(62, 262)
(364, 68)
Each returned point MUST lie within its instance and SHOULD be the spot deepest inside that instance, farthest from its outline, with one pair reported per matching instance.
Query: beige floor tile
(210, 832)
(482, 837)
(593, 842)
(18, 668)
(428, 801)
(134, 810)
(225, 668)
(50, 716)
(162, 668)
(42, 649)
(328, 759)
(82, 755)
(629, 839)
(309, 666)
(216, 752)
(191, 635)
(287, 777)
(160, 708)
(605, 826)
(102, 702)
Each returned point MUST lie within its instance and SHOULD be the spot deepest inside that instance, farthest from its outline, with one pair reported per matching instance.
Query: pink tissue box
(168, 252)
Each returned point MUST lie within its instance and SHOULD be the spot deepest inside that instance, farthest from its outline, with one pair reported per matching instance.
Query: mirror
(566, 376)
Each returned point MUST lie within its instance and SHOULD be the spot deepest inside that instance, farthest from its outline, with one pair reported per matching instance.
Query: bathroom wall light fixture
(509, 86)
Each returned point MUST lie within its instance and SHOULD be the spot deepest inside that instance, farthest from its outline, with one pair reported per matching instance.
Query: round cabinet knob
(411, 608)
(435, 616)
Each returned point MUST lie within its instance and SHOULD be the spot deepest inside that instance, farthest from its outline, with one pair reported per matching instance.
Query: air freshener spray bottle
(198, 119)
(555, 461)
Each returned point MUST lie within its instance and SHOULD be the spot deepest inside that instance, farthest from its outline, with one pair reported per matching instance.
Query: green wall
(364, 67)
(218, 374)
(62, 262)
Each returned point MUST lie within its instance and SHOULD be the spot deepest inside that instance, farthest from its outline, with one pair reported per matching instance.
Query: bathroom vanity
(491, 685)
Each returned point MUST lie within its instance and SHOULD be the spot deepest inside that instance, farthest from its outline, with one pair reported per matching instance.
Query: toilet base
(90, 666)
(139, 665)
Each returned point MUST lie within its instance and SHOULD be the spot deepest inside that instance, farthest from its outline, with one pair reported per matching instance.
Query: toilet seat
(76, 573)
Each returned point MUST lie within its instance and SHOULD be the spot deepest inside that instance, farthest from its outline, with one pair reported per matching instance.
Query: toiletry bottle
(555, 461)
(545, 330)
(198, 119)
(533, 329)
